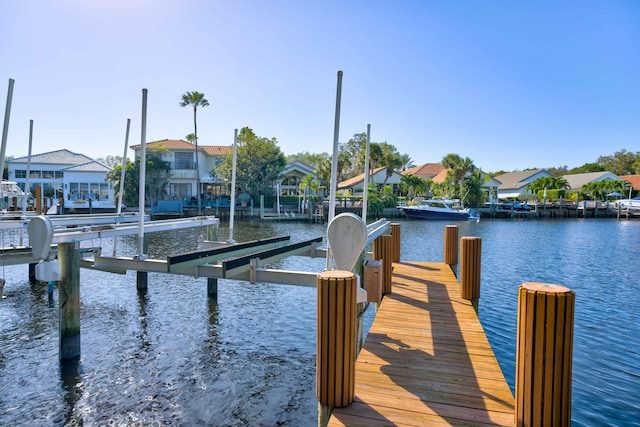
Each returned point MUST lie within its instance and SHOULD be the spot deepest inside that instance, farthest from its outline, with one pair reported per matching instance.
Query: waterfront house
(578, 180)
(378, 176)
(425, 171)
(181, 157)
(64, 174)
(292, 176)
(514, 184)
(634, 182)
(490, 184)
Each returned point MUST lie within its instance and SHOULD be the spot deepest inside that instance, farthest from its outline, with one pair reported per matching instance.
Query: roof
(359, 179)
(633, 179)
(441, 176)
(217, 150)
(427, 170)
(298, 166)
(514, 180)
(58, 157)
(182, 145)
(577, 180)
(88, 167)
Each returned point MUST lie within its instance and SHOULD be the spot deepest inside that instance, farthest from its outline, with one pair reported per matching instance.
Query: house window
(21, 173)
(179, 191)
(34, 174)
(183, 161)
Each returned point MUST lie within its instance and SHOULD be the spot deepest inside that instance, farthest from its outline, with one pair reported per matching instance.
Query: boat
(442, 209)
(631, 206)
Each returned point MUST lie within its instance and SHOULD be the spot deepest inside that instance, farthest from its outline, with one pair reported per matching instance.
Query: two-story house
(181, 155)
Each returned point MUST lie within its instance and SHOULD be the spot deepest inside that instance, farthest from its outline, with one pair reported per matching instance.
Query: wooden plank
(426, 359)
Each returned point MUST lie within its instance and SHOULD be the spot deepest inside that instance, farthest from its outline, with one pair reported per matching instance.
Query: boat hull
(417, 213)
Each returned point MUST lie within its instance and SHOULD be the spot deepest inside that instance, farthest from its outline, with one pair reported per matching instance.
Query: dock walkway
(426, 359)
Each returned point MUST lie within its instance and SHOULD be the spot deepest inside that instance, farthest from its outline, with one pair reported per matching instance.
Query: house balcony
(183, 174)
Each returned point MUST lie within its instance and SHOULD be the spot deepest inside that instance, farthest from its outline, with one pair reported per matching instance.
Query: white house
(64, 174)
(514, 184)
(378, 176)
(292, 175)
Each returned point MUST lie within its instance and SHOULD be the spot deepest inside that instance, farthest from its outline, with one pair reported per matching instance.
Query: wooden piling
(69, 301)
(212, 287)
(470, 263)
(382, 251)
(395, 238)
(32, 273)
(141, 280)
(544, 355)
(213, 232)
(451, 245)
(336, 338)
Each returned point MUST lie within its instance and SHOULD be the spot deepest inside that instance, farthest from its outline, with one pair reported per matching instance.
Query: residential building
(577, 180)
(514, 184)
(425, 171)
(378, 176)
(634, 182)
(292, 175)
(64, 174)
(181, 155)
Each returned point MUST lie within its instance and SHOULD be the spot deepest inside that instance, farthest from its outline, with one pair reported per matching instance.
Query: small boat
(632, 206)
(439, 209)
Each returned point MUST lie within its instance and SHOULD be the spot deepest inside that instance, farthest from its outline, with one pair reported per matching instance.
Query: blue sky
(510, 84)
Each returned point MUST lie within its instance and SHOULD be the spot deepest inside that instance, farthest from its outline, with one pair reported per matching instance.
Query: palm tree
(459, 169)
(196, 99)
(407, 162)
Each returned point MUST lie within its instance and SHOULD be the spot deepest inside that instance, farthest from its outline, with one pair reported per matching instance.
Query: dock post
(382, 251)
(32, 273)
(335, 341)
(69, 301)
(141, 280)
(470, 263)
(451, 245)
(544, 355)
(395, 235)
(213, 232)
(212, 287)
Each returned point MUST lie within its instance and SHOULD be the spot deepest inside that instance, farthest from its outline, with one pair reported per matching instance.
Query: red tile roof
(179, 144)
(428, 170)
(634, 180)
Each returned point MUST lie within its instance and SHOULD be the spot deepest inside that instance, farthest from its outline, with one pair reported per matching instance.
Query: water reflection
(70, 376)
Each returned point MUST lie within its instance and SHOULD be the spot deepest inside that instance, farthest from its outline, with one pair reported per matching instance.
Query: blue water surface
(172, 356)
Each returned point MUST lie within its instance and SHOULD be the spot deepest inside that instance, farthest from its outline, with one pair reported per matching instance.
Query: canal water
(174, 357)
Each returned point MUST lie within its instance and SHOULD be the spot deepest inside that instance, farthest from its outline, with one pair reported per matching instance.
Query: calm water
(174, 357)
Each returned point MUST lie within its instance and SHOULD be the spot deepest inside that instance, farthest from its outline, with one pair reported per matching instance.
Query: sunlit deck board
(426, 359)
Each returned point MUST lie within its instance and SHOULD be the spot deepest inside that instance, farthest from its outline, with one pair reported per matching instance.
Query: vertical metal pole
(365, 194)
(26, 180)
(232, 208)
(124, 167)
(5, 129)
(143, 170)
(334, 163)
(122, 176)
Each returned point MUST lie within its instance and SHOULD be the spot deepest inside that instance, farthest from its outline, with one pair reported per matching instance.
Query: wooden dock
(426, 359)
